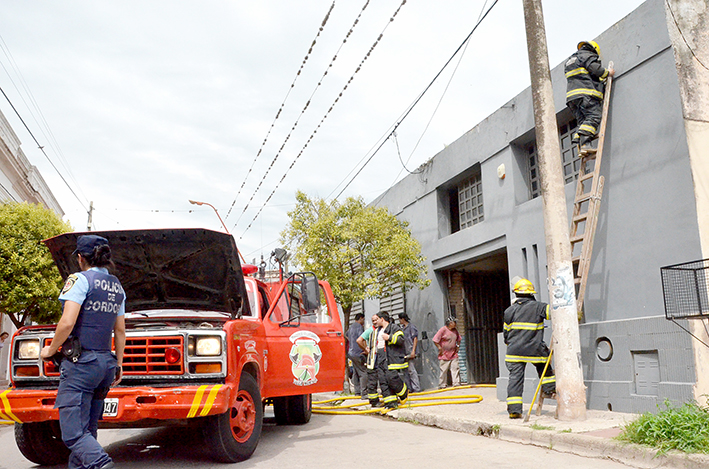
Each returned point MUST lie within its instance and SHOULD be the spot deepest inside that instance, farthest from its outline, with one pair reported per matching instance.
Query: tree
(360, 250)
(29, 280)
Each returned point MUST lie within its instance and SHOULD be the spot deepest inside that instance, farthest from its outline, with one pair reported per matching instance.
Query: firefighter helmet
(593, 44)
(523, 287)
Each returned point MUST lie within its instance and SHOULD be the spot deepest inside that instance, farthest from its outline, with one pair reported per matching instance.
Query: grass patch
(568, 430)
(536, 426)
(684, 428)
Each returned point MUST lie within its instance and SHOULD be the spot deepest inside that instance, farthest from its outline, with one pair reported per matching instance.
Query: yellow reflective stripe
(588, 128)
(393, 339)
(519, 358)
(389, 399)
(398, 366)
(549, 379)
(196, 401)
(583, 91)
(210, 400)
(576, 71)
(527, 326)
(605, 75)
(547, 310)
(514, 400)
(8, 409)
(402, 392)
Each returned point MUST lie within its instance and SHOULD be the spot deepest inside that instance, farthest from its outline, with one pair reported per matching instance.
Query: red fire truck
(208, 345)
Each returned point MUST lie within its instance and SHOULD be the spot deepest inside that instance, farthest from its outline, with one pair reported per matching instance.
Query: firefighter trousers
(396, 387)
(377, 376)
(588, 112)
(515, 385)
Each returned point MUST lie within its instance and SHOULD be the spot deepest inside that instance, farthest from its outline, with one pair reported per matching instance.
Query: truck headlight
(28, 349)
(208, 346)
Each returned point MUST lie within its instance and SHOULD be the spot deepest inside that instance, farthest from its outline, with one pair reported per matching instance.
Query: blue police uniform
(83, 385)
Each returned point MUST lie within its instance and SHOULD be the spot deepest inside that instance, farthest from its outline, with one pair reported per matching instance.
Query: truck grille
(146, 356)
(143, 356)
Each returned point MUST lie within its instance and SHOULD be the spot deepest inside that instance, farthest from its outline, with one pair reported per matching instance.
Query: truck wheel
(233, 435)
(41, 442)
(293, 410)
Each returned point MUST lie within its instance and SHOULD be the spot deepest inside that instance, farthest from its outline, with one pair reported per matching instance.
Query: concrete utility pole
(570, 390)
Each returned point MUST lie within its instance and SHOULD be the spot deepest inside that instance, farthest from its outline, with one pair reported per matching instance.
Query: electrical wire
(327, 113)
(280, 109)
(42, 150)
(42, 123)
(302, 112)
(416, 101)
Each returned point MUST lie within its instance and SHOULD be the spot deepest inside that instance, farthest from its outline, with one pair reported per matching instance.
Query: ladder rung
(576, 239)
(583, 197)
(587, 176)
(580, 217)
(577, 280)
(576, 259)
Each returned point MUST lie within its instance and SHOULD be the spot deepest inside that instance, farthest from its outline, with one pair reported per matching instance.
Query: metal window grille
(534, 189)
(685, 288)
(470, 202)
(570, 160)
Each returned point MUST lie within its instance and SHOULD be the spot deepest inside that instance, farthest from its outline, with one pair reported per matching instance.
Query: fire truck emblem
(305, 356)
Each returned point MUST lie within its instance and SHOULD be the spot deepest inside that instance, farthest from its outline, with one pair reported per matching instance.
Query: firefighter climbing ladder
(587, 204)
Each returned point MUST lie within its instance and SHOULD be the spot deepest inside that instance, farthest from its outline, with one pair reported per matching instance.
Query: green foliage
(684, 428)
(536, 426)
(361, 251)
(29, 280)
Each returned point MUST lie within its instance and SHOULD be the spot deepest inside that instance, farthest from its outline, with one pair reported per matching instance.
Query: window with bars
(570, 161)
(465, 202)
(470, 201)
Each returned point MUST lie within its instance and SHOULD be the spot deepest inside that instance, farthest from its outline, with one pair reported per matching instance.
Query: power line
(327, 113)
(42, 123)
(280, 109)
(302, 112)
(42, 149)
(416, 101)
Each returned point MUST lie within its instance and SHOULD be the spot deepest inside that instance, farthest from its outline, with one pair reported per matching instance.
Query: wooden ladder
(587, 204)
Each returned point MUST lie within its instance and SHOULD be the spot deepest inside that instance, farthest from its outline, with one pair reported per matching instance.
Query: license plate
(110, 407)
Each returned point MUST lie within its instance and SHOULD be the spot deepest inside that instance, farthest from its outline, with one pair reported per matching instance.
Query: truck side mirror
(310, 289)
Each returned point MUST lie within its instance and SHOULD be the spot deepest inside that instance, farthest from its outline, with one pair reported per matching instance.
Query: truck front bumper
(130, 404)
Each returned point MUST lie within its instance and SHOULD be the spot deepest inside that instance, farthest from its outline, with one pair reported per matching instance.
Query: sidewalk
(592, 437)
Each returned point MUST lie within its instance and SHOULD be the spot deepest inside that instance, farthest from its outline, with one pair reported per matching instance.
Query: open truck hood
(192, 269)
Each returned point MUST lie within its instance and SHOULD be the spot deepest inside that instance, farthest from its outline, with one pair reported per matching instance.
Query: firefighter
(397, 364)
(524, 336)
(585, 83)
(372, 343)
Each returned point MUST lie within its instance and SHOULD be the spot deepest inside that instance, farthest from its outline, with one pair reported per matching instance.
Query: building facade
(20, 181)
(476, 209)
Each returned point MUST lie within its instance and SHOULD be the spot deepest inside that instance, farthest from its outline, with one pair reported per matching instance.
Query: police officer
(524, 336)
(93, 307)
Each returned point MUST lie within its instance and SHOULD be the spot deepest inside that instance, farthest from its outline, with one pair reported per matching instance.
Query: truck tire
(233, 435)
(293, 410)
(41, 442)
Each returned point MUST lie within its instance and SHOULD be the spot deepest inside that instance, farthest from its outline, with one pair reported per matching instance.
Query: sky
(145, 105)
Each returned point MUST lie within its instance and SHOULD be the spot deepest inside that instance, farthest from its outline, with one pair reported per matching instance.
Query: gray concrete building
(476, 209)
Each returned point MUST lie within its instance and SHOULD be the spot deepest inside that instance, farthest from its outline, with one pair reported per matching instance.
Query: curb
(575, 443)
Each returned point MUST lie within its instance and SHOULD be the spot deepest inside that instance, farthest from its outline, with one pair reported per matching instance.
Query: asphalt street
(327, 441)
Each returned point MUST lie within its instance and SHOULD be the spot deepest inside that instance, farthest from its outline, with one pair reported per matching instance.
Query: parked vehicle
(207, 345)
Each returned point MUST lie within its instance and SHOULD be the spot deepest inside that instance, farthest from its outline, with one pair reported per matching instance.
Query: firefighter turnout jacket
(585, 76)
(524, 331)
(396, 348)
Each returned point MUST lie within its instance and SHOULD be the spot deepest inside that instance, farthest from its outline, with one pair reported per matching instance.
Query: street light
(194, 202)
